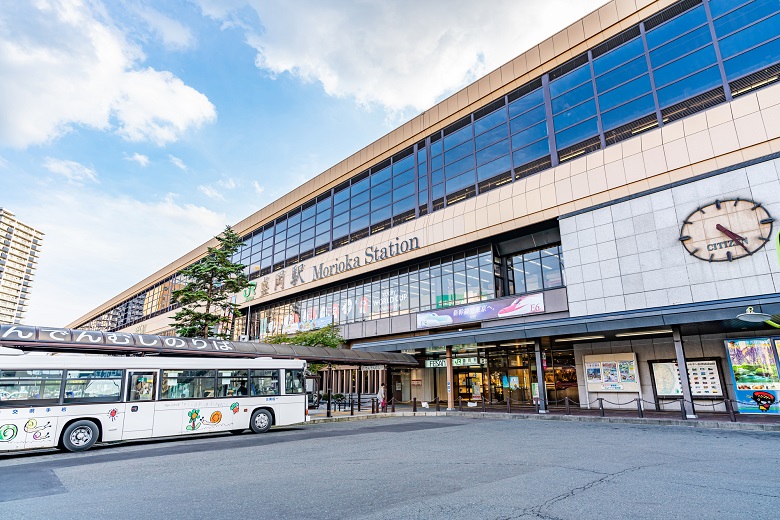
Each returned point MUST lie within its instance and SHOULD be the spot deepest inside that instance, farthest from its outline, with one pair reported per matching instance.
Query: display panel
(611, 373)
(753, 364)
(703, 375)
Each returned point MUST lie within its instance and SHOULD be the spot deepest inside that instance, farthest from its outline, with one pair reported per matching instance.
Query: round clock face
(726, 230)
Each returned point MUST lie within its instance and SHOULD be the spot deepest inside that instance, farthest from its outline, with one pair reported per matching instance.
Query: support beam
(684, 382)
(450, 383)
(540, 378)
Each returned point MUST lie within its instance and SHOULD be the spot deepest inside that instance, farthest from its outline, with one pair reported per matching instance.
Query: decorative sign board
(611, 373)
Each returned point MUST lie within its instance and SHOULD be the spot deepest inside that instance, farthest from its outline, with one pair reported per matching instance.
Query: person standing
(380, 397)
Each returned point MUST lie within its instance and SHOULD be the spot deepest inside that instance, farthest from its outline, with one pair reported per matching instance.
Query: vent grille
(381, 166)
(525, 89)
(615, 42)
(438, 204)
(533, 167)
(380, 226)
(494, 182)
(454, 127)
(307, 254)
(359, 177)
(338, 242)
(581, 148)
(403, 154)
(461, 195)
(693, 105)
(357, 235)
(324, 248)
(404, 217)
(669, 13)
(756, 80)
(423, 210)
(631, 129)
(492, 107)
(569, 66)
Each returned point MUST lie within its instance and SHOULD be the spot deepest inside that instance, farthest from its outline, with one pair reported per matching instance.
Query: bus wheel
(261, 421)
(80, 436)
(237, 432)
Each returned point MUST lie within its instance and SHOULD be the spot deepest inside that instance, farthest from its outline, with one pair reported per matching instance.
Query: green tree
(210, 283)
(325, 337)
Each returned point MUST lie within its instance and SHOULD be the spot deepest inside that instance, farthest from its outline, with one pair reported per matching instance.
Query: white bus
(74, 401)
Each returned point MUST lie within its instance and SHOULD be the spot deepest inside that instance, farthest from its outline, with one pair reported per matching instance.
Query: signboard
(703, 375)
(611, 373)
(456, 362)
(416, 382)
(501, 308)
(369, 368)
(753, 364)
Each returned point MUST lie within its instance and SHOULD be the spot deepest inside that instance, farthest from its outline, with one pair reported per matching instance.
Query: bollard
(392, 405)
(682, 409)
(460, 404)
(483, 404)
(639, 412)
(601, 406)
(414, 404)
(509, 405)
(536, 404)
(351, 407)
(329, 412)
(358, 402)
(566, 401)
(373, 405)
(730, 409)
(438, 405)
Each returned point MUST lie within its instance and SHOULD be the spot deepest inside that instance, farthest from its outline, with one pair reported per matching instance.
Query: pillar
(450, 383)
(540, 378)
(684, 382)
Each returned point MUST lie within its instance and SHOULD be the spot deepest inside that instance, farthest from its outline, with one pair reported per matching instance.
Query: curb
(691, 423)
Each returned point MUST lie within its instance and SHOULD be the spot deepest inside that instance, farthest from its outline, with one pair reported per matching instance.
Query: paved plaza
(410, 467)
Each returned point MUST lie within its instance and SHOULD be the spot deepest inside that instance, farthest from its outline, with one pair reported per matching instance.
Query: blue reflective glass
(684, 66)
(436, 148)
(322, 239)
(750, 37)
(528, 119)
(494, 168)
(573, 98)
(307, 245)
(360, 187)
(575, 115)
(280, 226)
(403, 178)
(403, 191)
(422, 198)
(459, 167)
(680, 46)
(622, 74)
(458, 137)
(490, 120)
(617, 56)
(422, 170)
(295, 219)
(529, 153)
(530, 135)
(459, 152)
(381, 214)
(341, 196)
(628, 112)
(437, 162)
(745, 16)
(279, 257)
(570, 80)
(421, 156)
(689, 87)
(526, 103)
(340, 219)
(322, 228)
(382, 188)
(576, 133)
(422, 184)
(360, 198)
(359, 211)
(324, 205)
(359, 223)
(498, 133)
(340, 231)
(677, 26)
(307, 234)
(437, 191)
(404, 164)
(338, 209)
(293, 240)
(493, 152)
(309, 212)
(718, 7)
(460, 182)
(437, 177)
(753, 60)
(293, 231)
(380, 176)
(404, 205)
(382, 200)
(306, 224)
(625, 92)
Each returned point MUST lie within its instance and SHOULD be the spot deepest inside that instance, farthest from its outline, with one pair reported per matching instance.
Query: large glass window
(232, 383)
(24, 385)
(535, 270)
(265, 382)
(187, 384)
(294, 382)
(93, 385)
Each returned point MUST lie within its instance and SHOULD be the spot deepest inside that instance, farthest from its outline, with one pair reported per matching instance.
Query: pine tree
(207, 309)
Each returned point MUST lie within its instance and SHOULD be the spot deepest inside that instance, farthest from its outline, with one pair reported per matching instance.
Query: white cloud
(142, 160)
(75, 172)
(228, 184)
(98, 245)
(177, 162)
(258, 189)
(403, 54)
(174, 34)
(65, 64)
(210, 192)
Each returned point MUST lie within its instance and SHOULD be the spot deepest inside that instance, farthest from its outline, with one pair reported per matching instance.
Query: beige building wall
(19, 249)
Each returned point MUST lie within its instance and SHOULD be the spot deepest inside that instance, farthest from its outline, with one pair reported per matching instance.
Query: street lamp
(757, 317)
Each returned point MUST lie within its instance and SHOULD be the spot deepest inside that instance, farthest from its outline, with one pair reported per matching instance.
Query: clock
(726, 230)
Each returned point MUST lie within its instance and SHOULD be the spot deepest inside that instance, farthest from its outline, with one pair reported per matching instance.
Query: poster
(504, 382)
(514, 383)
(703, 375)
(502, 308)
(609, 372)
(754, 371)
(627, 371)
(593, 372)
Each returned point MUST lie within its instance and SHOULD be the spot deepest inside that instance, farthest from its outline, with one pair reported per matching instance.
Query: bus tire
(80, 436)
(237, 432)
(261, 421)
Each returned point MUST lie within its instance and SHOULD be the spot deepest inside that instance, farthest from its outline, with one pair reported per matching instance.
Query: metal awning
(53, 339)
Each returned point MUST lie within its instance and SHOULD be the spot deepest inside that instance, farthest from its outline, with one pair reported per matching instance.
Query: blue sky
(133, 131)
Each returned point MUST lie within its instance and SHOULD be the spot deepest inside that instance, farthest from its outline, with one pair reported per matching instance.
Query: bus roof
(67, 362)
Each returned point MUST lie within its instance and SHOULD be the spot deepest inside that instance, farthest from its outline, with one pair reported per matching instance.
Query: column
(450, 383)
(540, 378)
(684, 382)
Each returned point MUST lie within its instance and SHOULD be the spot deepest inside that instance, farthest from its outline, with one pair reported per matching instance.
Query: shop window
(535, 270)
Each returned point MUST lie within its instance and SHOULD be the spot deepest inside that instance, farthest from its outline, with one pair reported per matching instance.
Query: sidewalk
(752, 422)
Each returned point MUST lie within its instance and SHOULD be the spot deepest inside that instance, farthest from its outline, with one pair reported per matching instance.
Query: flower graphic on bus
(8, 432)
(31, 426)
(234, 408)
(112, 414)
(195, 419)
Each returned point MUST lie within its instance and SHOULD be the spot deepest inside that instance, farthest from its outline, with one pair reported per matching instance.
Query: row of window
(686, 58)
(89, 386)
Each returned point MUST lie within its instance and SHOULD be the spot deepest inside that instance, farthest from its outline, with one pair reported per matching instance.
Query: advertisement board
(704, 377)
(753, 363)
(611, 373)
(501, 308)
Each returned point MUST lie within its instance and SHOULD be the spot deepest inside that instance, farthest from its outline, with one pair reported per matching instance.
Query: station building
(581, 223)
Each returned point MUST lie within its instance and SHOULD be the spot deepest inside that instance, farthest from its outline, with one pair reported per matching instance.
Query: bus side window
(142, 387)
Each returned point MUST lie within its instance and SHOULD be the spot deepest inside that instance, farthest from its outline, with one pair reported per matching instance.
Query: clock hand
(733, 236)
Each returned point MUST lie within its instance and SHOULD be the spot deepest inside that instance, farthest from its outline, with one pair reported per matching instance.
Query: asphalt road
(425, 467)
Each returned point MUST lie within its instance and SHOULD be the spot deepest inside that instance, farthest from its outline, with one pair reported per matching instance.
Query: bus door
(139, 412)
